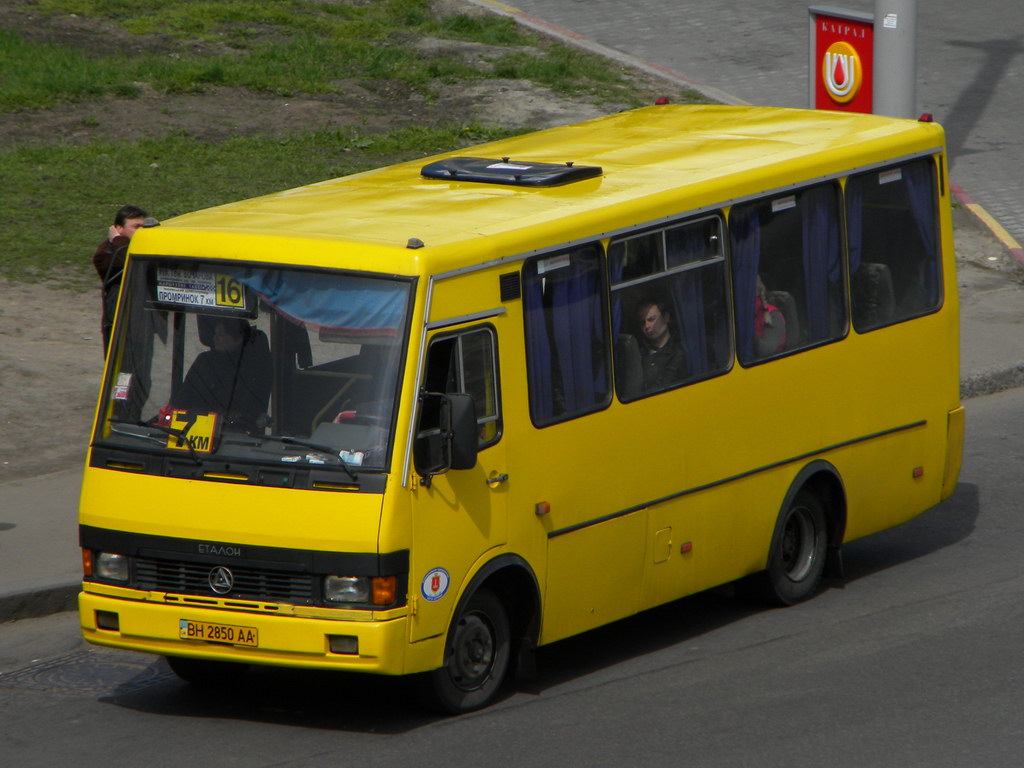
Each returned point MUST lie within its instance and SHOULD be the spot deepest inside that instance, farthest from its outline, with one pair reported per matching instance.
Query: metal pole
(895, 79)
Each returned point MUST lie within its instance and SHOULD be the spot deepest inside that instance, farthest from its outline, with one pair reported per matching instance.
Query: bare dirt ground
(50, 351)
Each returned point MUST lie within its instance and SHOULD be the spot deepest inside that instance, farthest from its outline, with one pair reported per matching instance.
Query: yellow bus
(424, 419)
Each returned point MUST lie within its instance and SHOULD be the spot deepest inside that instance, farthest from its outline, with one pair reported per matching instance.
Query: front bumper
(284, 639)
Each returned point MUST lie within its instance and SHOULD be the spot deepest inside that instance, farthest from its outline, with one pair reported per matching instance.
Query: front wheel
(797, 558)
(476, 657)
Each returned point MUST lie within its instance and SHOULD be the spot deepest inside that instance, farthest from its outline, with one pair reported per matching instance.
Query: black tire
(476, 657)
(797, 558)
(205, 673)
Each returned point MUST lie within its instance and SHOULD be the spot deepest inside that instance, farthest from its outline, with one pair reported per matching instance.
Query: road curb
(990, 381)
(580, 41)
(34, 602)
(988, 222)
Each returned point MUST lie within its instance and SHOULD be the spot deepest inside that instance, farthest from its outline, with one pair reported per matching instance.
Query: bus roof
(656, 161)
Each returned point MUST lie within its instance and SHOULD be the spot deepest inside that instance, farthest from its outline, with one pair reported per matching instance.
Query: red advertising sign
(842, 50)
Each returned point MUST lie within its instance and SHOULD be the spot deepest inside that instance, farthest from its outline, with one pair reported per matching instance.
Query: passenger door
(460, 514)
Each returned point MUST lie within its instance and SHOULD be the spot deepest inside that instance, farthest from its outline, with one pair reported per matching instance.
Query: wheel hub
(472, 653)
(798, 544)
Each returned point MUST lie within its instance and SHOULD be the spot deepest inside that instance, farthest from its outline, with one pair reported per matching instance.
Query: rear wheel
(797, 558)
(476, 657)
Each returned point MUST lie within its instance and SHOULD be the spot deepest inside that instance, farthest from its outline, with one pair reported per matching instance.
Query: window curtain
(616, 268)
(822, 266)
(920, 190)
(686, 246)
(538, 371)
(329, 301)
(566, 340)
(855, 221)
(745, 234)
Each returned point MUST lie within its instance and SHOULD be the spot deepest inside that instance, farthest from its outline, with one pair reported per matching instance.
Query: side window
(670, 316)
(566, 336)
(787, 272)
(895, 270)
(466, 362)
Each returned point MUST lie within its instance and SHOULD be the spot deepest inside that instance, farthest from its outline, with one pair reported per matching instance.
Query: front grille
(250, 583)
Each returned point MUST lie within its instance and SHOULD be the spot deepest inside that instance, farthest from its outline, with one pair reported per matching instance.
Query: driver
(232, 378)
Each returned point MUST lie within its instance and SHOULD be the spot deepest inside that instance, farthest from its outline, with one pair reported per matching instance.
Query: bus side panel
(897, 381)
(594, 576)
(710, 538)
(892, 480)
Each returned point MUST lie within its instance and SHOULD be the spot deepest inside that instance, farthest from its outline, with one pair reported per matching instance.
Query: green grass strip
(59, 200)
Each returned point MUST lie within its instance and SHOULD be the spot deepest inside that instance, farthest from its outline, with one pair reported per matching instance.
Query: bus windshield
(256, 364)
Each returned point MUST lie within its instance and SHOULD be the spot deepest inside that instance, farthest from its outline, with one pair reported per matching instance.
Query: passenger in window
(662, 358)
(232, 378)
(769, 325)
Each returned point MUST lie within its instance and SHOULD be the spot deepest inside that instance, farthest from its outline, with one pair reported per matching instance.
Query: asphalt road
(913, 660)
(970, 68)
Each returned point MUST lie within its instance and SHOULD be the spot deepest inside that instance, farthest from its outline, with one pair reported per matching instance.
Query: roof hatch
(521, 173)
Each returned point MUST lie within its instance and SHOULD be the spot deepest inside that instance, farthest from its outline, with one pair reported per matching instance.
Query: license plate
(218, 633)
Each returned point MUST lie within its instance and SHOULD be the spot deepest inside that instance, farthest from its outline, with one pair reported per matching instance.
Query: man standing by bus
(662, 359)
(109, 262)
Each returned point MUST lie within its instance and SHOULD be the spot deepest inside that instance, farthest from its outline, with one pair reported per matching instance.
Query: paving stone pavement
(970, 68)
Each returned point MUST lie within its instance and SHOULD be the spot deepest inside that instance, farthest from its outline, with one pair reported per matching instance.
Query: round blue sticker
(435, 584)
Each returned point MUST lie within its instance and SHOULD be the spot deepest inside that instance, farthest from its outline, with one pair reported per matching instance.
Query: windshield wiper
(178, 433)
(316, 447)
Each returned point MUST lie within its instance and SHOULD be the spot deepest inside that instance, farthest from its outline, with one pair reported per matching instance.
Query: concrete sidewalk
(40, 562)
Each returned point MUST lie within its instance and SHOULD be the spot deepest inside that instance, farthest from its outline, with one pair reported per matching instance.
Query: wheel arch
(823, 479)
(513, 581)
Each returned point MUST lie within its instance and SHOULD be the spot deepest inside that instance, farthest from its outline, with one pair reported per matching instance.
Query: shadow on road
(947, 524)
(369, 704)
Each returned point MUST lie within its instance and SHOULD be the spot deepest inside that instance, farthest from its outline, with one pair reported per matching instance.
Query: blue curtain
(920, 189)
(616, 267)
(855, 221)
(745, 234)
(685, 246)
(566, 337)
(822, 264)
(538, 350)
(330, 301)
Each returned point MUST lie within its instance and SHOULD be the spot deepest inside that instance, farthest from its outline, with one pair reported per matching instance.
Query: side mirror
(463, 430)
(446, 437)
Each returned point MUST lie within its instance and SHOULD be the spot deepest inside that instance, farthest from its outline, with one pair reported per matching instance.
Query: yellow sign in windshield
(193, 431)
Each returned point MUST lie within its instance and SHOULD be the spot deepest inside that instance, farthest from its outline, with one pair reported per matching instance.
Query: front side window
(670, 315)
(787, 271)
(466, 362)
(256, 365)
(895, 259)
(566, 335)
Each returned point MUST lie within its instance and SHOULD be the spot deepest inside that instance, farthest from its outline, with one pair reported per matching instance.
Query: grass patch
(75, 190)
(127, 49)
(275, 46)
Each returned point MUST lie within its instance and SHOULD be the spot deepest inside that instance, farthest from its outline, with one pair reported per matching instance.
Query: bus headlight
(379, 590)
(347, 589)
(112, 566)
